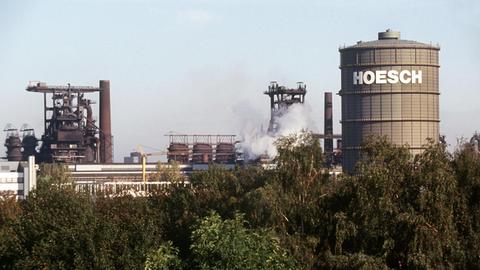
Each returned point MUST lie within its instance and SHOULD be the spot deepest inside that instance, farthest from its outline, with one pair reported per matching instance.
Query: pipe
(97, 150)
(88, 107)
(328, 123)
(106, 153)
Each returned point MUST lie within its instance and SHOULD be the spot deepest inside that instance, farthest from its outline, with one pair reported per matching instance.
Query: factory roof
(400, 43)
(390, 39)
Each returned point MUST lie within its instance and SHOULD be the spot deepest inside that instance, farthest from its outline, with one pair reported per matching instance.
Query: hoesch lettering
(387, 76)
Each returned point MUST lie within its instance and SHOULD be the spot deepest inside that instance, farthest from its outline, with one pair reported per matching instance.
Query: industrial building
(70, 132)
(70, 136)
(281, 98)
(194, 149)
(389, 87)
(202, 149)
(333, 155)
(18, 178)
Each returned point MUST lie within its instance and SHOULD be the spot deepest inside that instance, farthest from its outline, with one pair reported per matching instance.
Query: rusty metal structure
(328, 125)
(280, 99)
(29, 142)
(20, 145)
(106, 138)
(333, 155)
(475, 142)
(13, 143)
(225, 153)
(202, 153)
(70, 134)
(178, 152)
(202, 149)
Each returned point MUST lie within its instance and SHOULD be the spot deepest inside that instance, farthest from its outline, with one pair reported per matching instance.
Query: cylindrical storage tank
(14, 148)
(225, 153)
(178, 152)
(29, 144)
(389, 88)
(202, 153)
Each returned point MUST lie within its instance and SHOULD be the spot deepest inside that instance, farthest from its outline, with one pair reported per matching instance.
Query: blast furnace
(70, 134)
(280, 99)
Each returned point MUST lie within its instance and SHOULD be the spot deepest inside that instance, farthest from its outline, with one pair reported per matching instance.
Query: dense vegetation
(397, 211)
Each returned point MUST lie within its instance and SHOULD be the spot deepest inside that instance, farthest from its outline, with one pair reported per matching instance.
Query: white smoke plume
(255, 140)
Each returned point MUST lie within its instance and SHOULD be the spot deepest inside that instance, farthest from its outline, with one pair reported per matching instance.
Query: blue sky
(188, 66)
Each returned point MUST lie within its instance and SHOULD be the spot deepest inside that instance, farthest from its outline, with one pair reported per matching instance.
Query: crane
(143, 157)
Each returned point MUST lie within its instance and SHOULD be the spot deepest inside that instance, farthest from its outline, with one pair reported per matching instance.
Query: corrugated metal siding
(405, 113)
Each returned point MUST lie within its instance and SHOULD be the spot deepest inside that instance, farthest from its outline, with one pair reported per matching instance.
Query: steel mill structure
(389, 88)
(202, 149)
(13, 143)
(105, 130)
(281, 98)
(70, 133)
(333, 155)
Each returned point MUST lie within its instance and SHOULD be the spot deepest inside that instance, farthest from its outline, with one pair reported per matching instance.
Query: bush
(228, 244)
(164, 258)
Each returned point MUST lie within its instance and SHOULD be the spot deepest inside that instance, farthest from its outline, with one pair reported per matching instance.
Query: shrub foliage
(396, 211)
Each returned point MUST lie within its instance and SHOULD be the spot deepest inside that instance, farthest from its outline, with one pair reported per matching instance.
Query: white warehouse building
(18, 177)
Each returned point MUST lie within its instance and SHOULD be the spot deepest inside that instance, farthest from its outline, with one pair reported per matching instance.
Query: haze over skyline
(192, 66)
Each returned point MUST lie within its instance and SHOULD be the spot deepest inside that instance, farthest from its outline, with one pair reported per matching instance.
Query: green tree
(56, 229)
(11, 248)
(61, 228)
(228, 244)
(126, 230)
(466, 164)
(164, 258)
(178, 208)
(289, 201)
(395, 211)
(53, 174)
(301, 173)
(217, 189)
(214, 189)
(168, 172)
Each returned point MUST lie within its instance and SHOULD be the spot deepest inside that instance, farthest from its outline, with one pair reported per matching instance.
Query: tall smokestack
(328, 124)
(106, 153)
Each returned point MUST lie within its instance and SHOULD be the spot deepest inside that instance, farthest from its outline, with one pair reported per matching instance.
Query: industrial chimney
(328, 125)
(106, 153)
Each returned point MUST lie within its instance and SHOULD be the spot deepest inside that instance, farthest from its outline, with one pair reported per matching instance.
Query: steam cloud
(255, 140)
